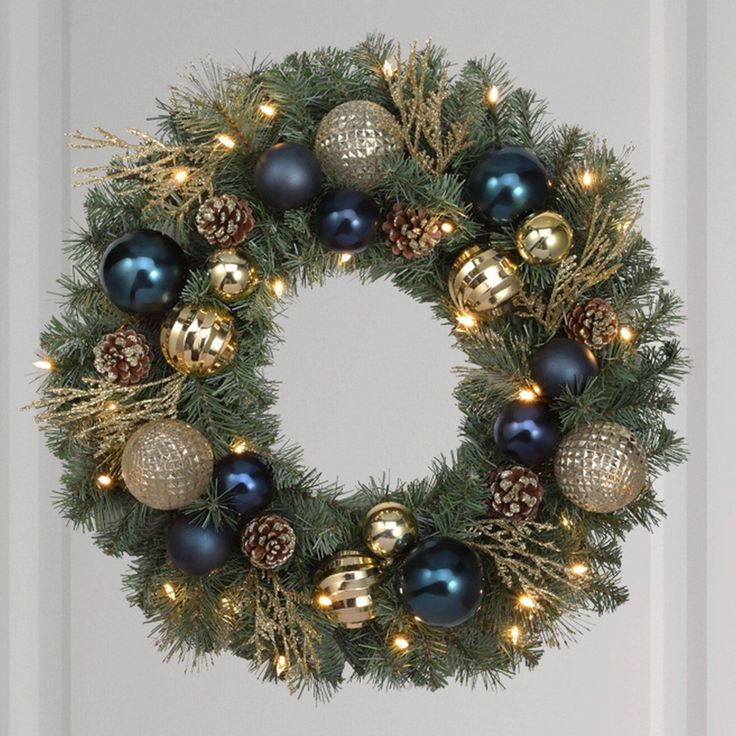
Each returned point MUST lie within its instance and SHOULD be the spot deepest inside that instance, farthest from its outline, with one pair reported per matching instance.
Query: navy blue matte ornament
(288, 176)
(143, 272)
(195, 549)
(347, 221)
(441, 582)
(507, 184)
(528, 432)
(562, 363)
(245, 482)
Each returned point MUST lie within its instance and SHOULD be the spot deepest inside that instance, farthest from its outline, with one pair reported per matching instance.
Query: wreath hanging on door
(520, 235)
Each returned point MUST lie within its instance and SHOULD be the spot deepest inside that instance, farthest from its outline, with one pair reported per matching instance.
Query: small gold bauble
(344, 588)
(353, 141)
(389, 529)
(233, 275)
(601, 467)
(544, 239)
(198, 340)
(481, 280)
(167, 464)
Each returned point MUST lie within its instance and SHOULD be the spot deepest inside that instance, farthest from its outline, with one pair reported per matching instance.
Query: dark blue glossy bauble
(562, 363)
(196, 549)
(143, 272)
(441, 582)
(347, 221)
(527, 431)
(507, 184)
(288, 176)
(245, 482)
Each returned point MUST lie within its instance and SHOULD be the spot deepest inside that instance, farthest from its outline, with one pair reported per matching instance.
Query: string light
(565, 521)
(239, 445)
(180, 175)
(529, 394)
(281, 665)
(448, 227)
(170, 591)
(587, 179)
(626, 333)
(225, 140)
(578, 568)
(345, 258)
(278, 287)
(324, 601)
(112, 406)
(104, 480)
(526, 601)
(267, 109)
(514, 634)
(44, 364)
(466, 321)
(492, 95)
(388, 69)
(401, 643)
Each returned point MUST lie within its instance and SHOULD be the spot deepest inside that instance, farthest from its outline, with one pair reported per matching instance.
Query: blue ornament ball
(562, 363)
(143, 272)
(347, 221)
(288, 176)
(528, 432)
(195, 549)
(245, 482)
(507, 184)
(441, 582)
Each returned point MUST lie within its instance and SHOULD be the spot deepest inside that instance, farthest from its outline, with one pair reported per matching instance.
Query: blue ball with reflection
(347, 221)
(441, 582)
(143, 272)
(527, 431)
(507, 184)
(195, 549)
(244, 482)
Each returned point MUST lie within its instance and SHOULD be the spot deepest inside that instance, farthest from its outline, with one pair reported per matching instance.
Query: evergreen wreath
(520, 235)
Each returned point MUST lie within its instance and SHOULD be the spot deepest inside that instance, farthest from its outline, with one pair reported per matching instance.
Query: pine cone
(515, 493)
(268, 541)
(593, 323)
(123, 357)
(225, 220)
(412, 232)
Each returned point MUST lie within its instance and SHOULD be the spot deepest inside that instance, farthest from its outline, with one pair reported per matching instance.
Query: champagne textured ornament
(544, 238)
(233, 275)
(198, 340)
(601, 467)
(481, 280)
(354, 140)
(389, 529)
(344, 588)
(167, 464)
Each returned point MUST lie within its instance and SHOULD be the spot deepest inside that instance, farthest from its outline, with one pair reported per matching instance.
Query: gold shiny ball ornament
(544, 239)
(198, 340)
(601, 467)
(167, 464)
(233, 275)
(389, 529)
(481, 280)
(344, 588)
(354, 140)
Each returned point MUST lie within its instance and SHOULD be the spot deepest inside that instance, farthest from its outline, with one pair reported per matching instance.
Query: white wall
(659, 74)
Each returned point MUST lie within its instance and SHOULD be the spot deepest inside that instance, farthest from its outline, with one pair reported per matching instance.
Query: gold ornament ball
(544, 239)
(601, 467)
(389, 529)
(344, 588)
(198, 340)
(167, 464)
(481, 280)
(233, 275)
(353, 141)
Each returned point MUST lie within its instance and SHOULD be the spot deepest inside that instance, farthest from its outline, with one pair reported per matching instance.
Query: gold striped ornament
(199, 340)
(344, 588)
(481, 280)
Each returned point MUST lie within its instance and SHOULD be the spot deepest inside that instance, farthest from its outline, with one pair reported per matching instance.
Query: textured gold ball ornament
(198, 340)
(544, 238)
(233, 275)
(481, 280)
(344, 588)
(354, 139)
(601, 467)
(389, 529)
(167, 464)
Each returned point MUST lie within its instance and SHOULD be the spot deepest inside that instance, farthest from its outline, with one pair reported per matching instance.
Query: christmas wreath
(521, 236)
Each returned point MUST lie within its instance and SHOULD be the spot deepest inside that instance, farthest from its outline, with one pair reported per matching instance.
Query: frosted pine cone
(268, 541)
(593, 323)
(413, 233)
(515, 493)
(123, 357)
(225, 220)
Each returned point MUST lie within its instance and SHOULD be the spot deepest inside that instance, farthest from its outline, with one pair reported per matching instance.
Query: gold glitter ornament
(544, 238)
(353, 141)
(344, 588)
(167, 464)
(601, 467)
(233, 275)
(389, 529)
(481, 280)
(198, 340)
